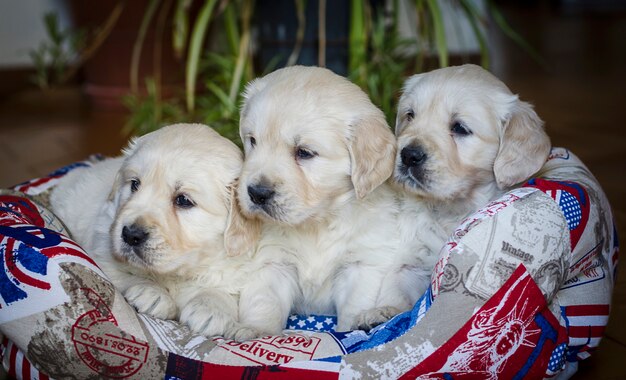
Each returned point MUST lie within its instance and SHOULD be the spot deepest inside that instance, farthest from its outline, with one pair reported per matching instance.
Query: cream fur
(461, 173)
(329, 240)
(182, 270)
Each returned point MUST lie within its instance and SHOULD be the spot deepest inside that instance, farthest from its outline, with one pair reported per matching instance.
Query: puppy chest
(316, 280)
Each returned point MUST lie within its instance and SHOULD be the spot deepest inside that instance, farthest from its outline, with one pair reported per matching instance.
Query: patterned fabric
(522, 289)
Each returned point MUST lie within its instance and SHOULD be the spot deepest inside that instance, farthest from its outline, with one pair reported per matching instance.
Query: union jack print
(27, 249)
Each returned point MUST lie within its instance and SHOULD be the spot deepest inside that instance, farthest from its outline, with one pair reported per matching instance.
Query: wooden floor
(580, 94)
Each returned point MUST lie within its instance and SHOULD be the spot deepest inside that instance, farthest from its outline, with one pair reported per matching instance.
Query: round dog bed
(522, 289)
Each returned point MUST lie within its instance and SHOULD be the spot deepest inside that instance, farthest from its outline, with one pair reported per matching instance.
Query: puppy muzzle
(262, 197)
(135, 238)
(411, 165)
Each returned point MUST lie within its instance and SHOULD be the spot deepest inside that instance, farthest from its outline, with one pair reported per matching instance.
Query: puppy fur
(155, 220)
(317, 157)
(463, 140)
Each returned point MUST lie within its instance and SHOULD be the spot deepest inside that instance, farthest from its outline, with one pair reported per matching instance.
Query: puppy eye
(459, 129)
(410, 115)
(304, 154)
(134, 185)
(252, 141)
(183, 201)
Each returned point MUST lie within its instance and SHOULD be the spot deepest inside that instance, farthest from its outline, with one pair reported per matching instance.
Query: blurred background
(79, 77)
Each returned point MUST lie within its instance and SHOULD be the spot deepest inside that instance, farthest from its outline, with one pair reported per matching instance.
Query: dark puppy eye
(410, 115)
(459, 129)
(134, 185)
(304, 154)
(252, 141)
(183, 201)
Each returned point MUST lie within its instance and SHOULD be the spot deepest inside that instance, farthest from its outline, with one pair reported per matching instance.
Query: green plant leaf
(232, 29)
(474, 17)
(440, 33)
(357, 42)
(138, 45)
(242, 54)
(180, 29)
(197, 39)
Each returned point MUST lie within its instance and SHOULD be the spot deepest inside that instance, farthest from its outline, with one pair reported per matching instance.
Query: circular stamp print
(100, 348)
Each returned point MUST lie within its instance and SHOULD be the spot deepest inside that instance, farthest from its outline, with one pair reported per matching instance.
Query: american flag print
(573, 201)
(323, 323)
(17, 364)
(39, 185)
(585, 326)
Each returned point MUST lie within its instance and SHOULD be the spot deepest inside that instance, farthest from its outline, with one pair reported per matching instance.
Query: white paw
(206, 318)
(374, 317)
(241, 333)
(152, 299)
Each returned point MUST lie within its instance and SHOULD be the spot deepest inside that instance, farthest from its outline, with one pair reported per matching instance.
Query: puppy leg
(266, 301)
(212, 312)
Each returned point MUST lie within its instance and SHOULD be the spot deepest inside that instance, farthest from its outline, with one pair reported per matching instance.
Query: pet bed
(522, 289)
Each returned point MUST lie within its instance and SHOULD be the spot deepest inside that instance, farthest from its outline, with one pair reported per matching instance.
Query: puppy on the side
(158, 219)
(318, 154)
(463, 140)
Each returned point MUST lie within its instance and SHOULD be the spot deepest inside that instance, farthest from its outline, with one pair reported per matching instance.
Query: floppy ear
(241, 233)
(115, 194)
(372, 148)
(524, 147)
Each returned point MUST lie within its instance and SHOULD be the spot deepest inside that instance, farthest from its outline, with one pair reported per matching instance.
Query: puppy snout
(134, 235)
(260, 194)
(412, 156)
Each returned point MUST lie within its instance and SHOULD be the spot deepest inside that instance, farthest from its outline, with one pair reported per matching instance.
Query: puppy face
(460, 128)
(173, 197)
(312, 141)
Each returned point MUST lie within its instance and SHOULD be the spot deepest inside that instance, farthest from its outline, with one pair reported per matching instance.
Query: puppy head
(173, 197)
(312, 141)
(460, 128)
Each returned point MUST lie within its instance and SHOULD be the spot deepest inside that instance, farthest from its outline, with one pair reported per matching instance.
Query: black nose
(134, 235)
(260, 194)
(412, 156)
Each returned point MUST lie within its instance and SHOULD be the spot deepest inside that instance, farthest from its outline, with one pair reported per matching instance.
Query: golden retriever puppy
(463, 139)
(317, 157)
(157, 220)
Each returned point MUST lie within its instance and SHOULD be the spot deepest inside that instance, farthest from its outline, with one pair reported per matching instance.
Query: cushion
(522, 288)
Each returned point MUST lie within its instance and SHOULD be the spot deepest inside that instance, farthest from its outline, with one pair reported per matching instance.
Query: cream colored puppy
(317, 156)
(158, 219)
(463, 140)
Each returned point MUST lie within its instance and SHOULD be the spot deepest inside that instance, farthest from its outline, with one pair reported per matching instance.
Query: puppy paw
(243, 333)
(374, 317)
(208, 320)
(152, 299)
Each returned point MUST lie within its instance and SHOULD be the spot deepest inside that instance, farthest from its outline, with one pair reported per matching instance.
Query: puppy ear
(372, 148)
(524, 146)
(241, 233)
(115, 194)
